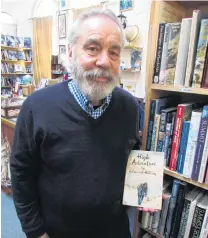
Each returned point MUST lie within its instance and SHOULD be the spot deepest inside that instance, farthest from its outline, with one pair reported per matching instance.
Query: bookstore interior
(172, 67)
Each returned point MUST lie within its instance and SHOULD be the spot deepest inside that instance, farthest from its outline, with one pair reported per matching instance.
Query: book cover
(3, 40)
(183, 48)
(178, 209)
(205, 73)
(195, 27)
(198, 217)
(192, 142)
(27, 42)
(159, 52)
(164, 60)
(206, 176)
(200, 143)
(172, 52)
(183, 145)
(200, 55)
(164, 118)
(183, 114)
(144, 179)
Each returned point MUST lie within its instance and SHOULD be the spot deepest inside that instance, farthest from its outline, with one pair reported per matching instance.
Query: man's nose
(103, 60)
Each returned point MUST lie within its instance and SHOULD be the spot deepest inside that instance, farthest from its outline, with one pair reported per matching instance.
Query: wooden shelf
(132, 47)
(130, 70)
(180, 89)
(16, 73)
(181, 177)
(149, 231)
(14, 48)
(8, 60)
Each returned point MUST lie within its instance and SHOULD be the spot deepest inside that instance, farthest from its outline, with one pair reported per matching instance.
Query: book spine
(197, 222)
(151, 124)
(164, 60)
(172, 204)
(155, 132)
(176, 137)
(200, 55)
(178, 209)
(159, 52)
(204, 161)
(145, 219)
(155, 221)
(204, 229)
(184, 219)
(191, 146)
(195, 26)
(161, 133)
(206, 176)
(183, 52)
(200, 143)
(191, 214)
(164, 213)
(172, 53)
(183, 145)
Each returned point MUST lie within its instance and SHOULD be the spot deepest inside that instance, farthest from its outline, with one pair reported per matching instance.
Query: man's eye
(114, 54)
(93, 49)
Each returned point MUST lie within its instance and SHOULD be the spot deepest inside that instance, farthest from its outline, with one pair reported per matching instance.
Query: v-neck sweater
(67, 168)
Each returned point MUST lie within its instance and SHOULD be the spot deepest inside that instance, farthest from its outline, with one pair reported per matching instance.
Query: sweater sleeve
(24, 169)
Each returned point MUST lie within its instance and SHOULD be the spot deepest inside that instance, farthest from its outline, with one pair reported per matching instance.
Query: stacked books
(181, 132)
(184, 212)
(13, 41)
(182, 53)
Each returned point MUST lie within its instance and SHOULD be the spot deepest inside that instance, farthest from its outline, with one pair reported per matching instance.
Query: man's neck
(96, 102)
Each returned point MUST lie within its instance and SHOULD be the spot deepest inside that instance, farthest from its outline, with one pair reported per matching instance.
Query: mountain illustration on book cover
(144, 179)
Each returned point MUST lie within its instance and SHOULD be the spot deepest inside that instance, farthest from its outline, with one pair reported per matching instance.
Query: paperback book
(144, 179)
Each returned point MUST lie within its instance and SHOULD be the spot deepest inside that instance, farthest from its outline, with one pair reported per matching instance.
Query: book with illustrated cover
(144, 179)
(200, 55)
(27, 42)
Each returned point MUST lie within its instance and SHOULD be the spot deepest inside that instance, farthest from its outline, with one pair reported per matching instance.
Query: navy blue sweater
(67, 168)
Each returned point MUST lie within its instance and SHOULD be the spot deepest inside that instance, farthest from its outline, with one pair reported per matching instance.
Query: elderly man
(72, 141)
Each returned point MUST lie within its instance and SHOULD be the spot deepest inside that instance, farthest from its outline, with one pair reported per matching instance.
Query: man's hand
(143, 209)
(44, 236)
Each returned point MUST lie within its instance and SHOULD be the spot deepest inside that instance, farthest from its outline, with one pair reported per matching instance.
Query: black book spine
(159, 53)
(178, 210)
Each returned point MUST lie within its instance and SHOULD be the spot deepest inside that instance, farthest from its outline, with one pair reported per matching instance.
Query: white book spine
(203, 161)
(191, 215)
(155, 132)
(196, 18)
(183, 52)
(204, 228)
(145, 219)
(191, 145)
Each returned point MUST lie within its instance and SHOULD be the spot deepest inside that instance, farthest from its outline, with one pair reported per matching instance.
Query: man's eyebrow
(116, 47)
(92, 42)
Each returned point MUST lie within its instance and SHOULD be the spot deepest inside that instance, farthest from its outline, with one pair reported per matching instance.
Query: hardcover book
(144, 179)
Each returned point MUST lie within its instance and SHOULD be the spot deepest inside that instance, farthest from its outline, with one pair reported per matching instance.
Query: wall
(22, 11)
(139, 15)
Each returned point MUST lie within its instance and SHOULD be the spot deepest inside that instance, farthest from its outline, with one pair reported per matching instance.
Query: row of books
(16, 55)
(13, 41)
(184, 212)
(182, 53)
(181, 132)
(15, 68)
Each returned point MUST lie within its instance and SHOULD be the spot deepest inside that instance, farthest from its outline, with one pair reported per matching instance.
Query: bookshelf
(167, 12)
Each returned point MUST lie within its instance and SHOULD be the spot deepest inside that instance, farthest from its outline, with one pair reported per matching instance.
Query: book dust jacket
(144, 179)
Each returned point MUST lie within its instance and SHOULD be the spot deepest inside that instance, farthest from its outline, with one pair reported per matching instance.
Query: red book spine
(176, 138)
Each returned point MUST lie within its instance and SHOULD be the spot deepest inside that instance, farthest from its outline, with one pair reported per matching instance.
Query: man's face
(96, 57)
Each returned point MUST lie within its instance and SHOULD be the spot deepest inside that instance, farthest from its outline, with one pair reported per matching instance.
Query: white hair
(76, 32)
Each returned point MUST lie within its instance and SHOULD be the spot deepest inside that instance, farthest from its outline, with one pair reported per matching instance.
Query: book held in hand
(144, 179)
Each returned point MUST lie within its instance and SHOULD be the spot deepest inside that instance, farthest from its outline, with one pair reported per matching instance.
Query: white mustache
(98, 73)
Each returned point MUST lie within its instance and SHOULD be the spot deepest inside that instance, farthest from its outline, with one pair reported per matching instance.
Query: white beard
(86, 80)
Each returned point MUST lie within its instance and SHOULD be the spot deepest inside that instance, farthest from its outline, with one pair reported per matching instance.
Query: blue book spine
(150, 126)
(200, 143)
(171, 208)
(183, 145)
